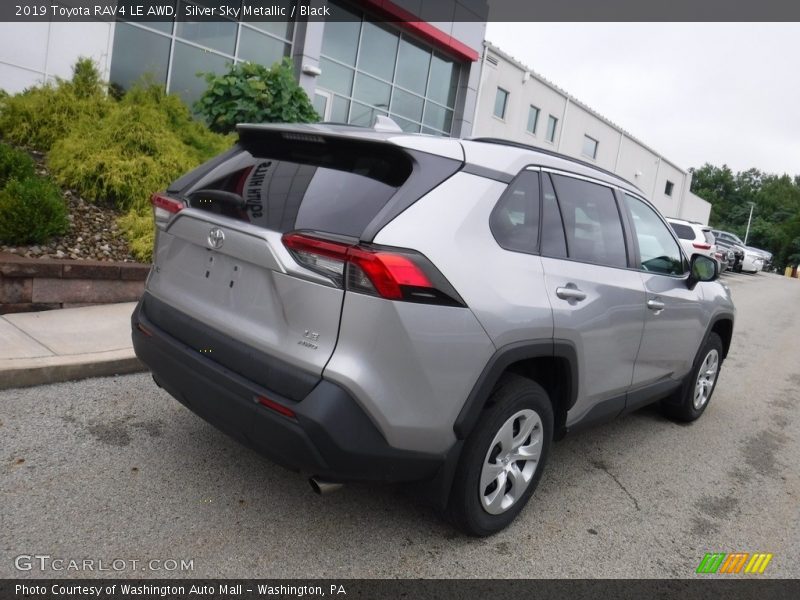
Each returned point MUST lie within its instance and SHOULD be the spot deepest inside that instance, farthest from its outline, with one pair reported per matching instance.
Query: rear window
(283, 196)
(314, 187)
(515, 220)
(684, 232)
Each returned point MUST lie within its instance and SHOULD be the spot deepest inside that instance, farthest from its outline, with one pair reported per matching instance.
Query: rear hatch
(225, 283)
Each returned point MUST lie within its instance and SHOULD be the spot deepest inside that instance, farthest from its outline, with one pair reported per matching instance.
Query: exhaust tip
(324, 487)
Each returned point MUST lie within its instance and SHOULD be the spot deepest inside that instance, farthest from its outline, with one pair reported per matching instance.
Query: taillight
(322, 256)
(701, 246)
(383, 274)
(163, 208)
(391, 273)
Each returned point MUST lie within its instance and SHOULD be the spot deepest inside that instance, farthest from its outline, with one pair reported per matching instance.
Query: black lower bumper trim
(330, 437)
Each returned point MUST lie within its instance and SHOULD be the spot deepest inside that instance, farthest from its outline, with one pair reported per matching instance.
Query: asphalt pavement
(114, 469)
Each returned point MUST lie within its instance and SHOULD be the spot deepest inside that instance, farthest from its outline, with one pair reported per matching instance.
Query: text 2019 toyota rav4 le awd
(369, 305)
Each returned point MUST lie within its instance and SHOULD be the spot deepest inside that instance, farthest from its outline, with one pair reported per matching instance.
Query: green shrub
(86, 82)
(252, 93)
(138, 228)
(193, 133)
(14, 164)
(39, 116)
(145, 141)
(31, 211)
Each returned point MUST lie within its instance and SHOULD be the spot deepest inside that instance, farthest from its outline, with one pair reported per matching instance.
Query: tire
(693, 397)
(516, 405)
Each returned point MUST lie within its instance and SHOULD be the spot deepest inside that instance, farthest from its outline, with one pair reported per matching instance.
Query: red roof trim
(423, 29)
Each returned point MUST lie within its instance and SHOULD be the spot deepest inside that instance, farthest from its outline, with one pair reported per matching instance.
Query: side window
(515, 220)
(591, 222)
(553, 242)
(658, 250)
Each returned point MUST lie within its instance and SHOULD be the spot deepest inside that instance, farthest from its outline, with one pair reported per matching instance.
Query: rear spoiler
(378, 159)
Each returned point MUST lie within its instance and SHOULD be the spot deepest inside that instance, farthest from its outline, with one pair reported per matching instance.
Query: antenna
(384, 123)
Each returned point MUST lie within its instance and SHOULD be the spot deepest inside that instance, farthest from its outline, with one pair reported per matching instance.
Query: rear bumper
(330, 435)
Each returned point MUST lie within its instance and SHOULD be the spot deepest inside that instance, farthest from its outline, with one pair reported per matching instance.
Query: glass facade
(371, 69)
(173, 53)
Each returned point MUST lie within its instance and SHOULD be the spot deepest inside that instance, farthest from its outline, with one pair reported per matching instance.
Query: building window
(668, 188)
(552, 123)
(589, 147)
(172, 53)
(151, 56)
(533, 119)
(369, 69)
(500, 103)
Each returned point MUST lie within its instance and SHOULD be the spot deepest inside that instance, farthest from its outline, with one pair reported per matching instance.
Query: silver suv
(376, 306)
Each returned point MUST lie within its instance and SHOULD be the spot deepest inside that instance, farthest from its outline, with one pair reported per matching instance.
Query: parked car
(364, 305)
(753, 261)
(726, 243)
(696, 238)
(766, 257)
(727, 256)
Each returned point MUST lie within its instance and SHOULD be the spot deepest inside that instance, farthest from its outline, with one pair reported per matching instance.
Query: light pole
(746, 233)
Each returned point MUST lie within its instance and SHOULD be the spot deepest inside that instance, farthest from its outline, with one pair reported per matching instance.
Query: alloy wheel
(706, 377)
(511, 461)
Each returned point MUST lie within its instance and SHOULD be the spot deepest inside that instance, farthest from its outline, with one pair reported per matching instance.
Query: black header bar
(404, 10)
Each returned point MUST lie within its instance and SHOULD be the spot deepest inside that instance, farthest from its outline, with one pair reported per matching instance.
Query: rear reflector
(278, 408)
(390, 273)
(144, 330)
(702, 246)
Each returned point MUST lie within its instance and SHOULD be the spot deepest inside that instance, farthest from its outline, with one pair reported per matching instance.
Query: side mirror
(701, 268)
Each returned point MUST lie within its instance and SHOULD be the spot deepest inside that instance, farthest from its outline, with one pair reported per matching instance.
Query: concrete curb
(26, 372)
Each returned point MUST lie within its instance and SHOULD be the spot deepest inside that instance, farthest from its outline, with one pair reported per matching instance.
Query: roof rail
(505, 142)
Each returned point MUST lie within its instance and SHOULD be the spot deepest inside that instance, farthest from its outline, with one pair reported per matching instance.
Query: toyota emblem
(216, 237)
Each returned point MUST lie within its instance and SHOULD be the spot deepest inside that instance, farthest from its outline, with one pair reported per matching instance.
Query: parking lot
(113, 468)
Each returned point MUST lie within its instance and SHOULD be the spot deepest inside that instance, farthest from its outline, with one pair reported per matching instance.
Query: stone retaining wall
(42, 284)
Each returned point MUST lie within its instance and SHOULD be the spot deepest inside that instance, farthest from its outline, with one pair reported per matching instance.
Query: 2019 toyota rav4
(378, 306)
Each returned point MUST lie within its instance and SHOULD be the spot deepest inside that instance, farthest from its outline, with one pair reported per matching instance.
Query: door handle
(570, 293)
(655, 305)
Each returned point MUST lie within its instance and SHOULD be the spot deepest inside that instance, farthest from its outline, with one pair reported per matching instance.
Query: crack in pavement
(599, 464)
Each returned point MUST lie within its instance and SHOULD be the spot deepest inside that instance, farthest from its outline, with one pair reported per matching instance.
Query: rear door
(598, 303)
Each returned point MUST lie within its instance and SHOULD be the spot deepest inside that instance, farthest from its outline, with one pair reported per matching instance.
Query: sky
(723, 93)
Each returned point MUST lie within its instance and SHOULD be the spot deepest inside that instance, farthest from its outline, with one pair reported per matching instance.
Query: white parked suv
(696, 239)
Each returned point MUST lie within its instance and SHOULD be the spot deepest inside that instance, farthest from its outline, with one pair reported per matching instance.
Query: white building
(517, 104)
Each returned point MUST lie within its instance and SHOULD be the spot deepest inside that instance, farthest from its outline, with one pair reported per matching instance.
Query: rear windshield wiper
(207, 196)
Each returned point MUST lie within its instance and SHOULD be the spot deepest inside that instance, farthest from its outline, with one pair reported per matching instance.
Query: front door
(674, 320)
